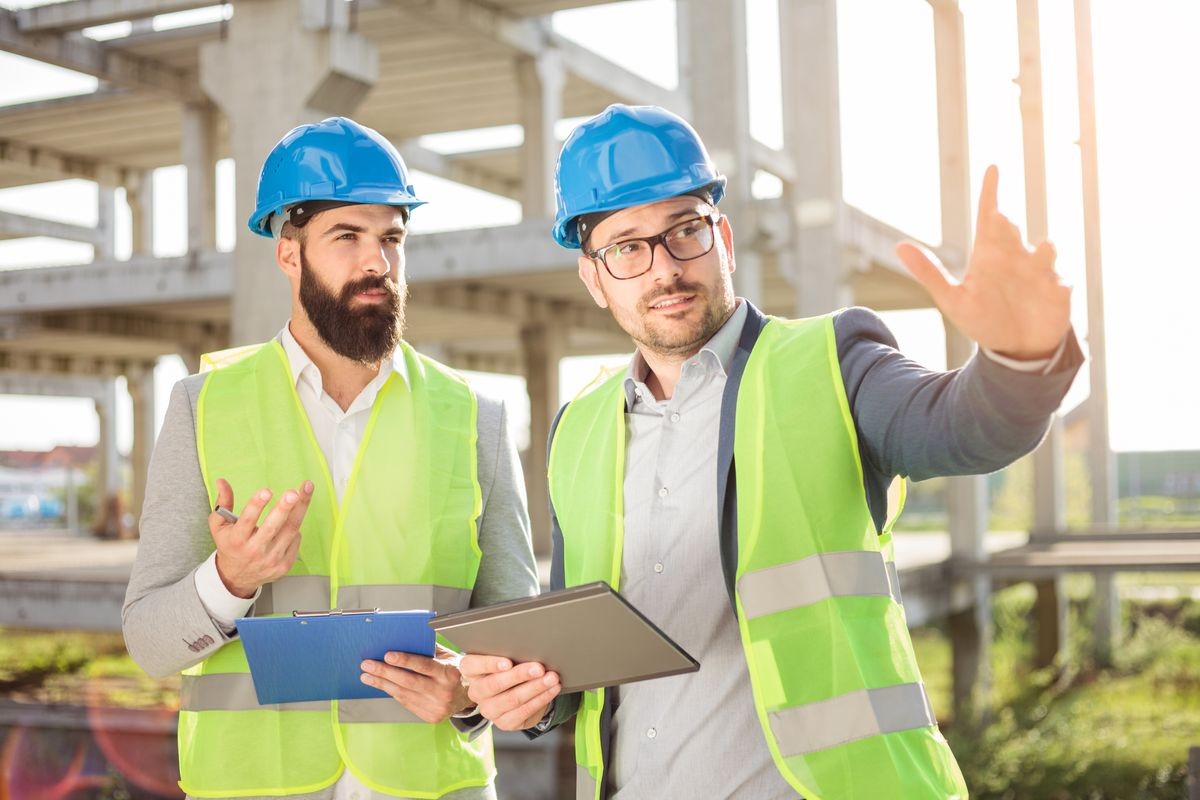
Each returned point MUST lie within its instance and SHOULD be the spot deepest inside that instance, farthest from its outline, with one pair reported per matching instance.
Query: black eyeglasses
(685, 241)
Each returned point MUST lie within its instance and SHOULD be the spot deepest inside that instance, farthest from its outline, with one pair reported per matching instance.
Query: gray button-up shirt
(671, 570)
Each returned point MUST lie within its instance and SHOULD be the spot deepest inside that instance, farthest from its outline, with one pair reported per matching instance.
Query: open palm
(1010, 299)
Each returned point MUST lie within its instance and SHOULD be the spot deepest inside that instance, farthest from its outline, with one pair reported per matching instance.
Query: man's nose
(664, 266)
(377, 262)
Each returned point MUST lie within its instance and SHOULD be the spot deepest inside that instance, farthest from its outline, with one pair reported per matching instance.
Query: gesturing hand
(248, 554)
(512, 696)
(1010, 299)
(431, 688)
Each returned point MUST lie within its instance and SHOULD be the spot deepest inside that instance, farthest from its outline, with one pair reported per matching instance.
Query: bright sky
(1146, 61)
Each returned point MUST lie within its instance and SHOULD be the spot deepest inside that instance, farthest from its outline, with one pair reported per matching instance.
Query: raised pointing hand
(1010, 299)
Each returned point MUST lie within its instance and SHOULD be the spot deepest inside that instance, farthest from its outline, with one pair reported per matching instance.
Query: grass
(1075, 731)
(77, 668)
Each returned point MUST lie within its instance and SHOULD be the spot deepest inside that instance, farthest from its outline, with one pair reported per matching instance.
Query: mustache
(368, 284)
(678, 287)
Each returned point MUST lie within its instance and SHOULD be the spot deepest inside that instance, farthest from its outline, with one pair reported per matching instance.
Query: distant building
(37, 487)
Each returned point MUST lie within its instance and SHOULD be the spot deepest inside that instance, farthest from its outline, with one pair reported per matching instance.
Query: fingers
(277, 523)
(429, 699)
(1044, 256)
(474, 667)
(513, 699)
(253, 509)
(528, 713)
(928, 271)
(422, 665)
(488, 686)
(224, 493)
(988, 196)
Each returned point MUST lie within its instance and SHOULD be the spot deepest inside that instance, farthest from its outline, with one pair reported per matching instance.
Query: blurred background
(1055, 605)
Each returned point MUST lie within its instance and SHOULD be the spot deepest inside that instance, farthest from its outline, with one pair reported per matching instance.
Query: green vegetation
(1076, 731)
(28, 657)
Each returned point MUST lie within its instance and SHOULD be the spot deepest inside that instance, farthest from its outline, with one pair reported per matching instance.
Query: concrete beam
(871, 242)
(532, 37)
(138, 281)
(776, 162)
(46, 602)
(457, 168)
(78, 14)
(123, 324)
(484, 252)
(496, 301)
(52, 165)
(45, 385)
(63, 364)
(18, 226)
(96, 59)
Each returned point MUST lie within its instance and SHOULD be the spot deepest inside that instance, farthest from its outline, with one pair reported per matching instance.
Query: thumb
(224, 493)
(927, 270)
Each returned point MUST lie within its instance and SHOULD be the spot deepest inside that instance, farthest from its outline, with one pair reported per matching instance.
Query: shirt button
(650, 734)
(675, 417)
(658, 567)
(662, 492)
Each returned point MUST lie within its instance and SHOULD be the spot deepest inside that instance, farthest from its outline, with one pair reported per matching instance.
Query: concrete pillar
(714, 74)
(541, 80)
(106, 211)
(141, 390)
(108, 472)
(808, 54)
(282, 63)
(542, 345)
(971, 626)
(199, 150)
(1101, 463)
(1048, 475)
(72, 501)
(966, 497)
(139, 195)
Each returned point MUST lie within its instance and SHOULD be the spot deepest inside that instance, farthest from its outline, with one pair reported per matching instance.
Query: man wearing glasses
(732, 483)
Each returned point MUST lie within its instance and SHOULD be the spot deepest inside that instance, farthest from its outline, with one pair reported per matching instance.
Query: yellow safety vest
(835, 681)
(402, 537)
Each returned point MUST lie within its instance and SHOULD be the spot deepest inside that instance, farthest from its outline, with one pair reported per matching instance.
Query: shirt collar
(720, 348)
(303, 367)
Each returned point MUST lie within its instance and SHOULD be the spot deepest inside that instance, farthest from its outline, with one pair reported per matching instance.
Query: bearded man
(369, 476)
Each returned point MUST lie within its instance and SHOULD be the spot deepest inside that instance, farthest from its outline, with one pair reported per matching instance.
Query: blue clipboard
(316, 656)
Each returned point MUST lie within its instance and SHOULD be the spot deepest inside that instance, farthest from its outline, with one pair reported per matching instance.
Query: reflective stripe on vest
(810, 580)
(835, 682)
(231, 691)
(585, 784)
(311, 592)
(403, 536)
(870, 712)
(293, 593)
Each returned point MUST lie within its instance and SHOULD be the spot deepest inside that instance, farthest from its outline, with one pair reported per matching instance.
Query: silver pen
(225, 514)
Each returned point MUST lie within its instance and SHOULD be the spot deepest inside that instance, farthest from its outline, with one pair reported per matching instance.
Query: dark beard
(368, 334)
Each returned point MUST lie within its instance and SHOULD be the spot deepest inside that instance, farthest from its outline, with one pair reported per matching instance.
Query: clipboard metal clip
(335, 612)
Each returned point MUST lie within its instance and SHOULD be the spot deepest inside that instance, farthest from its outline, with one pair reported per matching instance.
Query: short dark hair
(295, 226)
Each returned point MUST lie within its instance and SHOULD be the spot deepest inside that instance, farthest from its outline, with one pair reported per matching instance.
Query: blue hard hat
(335, 159)
(628, 156)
